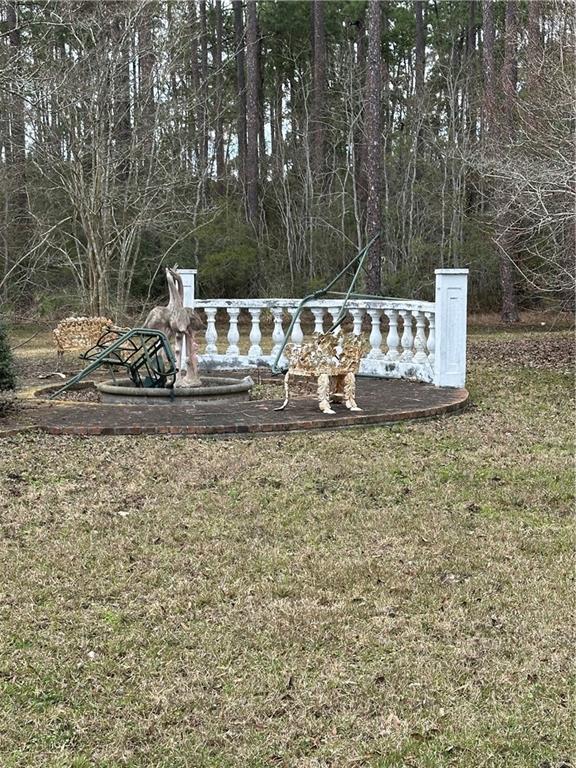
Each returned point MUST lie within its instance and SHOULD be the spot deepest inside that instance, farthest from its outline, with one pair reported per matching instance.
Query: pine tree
(373, 108)
(7, 377)
(252, 112)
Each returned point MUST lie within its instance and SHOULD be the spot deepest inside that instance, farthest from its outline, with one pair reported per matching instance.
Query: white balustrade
(333, 313)
(233, 334)
(211, 335)
(278, 332)
(318, 313)
(297, 336)
(431, 342)
(420, 355)
(407, 340)
(435, 352)
(392, 340)
(375, 334)
(357, 315)
(255, 351)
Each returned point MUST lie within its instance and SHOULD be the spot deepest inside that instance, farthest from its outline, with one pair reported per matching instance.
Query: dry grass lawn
(390, 597)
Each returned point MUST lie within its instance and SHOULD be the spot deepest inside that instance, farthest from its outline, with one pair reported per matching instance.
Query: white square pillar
(450, 352)
(189, 282)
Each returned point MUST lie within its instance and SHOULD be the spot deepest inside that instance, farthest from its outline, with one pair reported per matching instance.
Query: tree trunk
(359, 133)
(203, 88)
(420, 64)
(252, 109)
(195, 115)
(278, 137)
(510, 67)
(318, 87)
(508, 244)
(218, 124)
(373, 111)
(146, 98)
(471, 67)
(240, 90)
(18, 214)
(261, 97)
(535, 49)
(489, 70)
(121, 86)
(419, 70)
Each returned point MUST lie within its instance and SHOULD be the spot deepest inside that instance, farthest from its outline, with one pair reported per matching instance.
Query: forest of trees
(265, 141)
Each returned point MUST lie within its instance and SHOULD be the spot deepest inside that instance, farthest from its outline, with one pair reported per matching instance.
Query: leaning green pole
(359, 261)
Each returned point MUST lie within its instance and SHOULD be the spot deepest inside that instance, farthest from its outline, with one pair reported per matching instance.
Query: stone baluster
(233, 335)
(392, 339)
(297, 337)
(407, 340)
(255, 350)
(431, 344)
(278, 332)
(375, 335)
(333, 313)
(211, 332)
(357, 315)
(318, 313)
(420, 339)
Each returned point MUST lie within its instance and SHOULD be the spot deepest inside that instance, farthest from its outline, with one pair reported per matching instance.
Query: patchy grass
(388, 597)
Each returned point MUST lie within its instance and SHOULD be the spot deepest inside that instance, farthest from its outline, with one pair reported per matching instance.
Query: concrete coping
(217, 386)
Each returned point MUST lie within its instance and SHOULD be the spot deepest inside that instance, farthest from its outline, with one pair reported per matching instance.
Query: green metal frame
(359, 261)
(140, 351)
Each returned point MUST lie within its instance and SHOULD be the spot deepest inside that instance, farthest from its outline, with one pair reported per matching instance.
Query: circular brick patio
(382, 400)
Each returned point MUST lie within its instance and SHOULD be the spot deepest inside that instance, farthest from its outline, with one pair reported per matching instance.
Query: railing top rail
(385, 303)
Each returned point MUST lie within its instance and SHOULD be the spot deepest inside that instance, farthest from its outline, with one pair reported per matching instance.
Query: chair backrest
(79, 332)
(326, 353)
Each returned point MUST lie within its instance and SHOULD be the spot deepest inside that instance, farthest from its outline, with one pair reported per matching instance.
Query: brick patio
(383, 401)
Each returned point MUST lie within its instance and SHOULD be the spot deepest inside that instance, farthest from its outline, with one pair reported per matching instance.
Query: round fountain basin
(211, 390)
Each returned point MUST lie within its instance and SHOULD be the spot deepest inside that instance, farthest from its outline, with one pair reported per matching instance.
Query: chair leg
(350, 392)
(324, 393)
(286, 392)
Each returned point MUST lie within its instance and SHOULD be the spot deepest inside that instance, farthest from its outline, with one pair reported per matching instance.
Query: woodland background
(264, 142)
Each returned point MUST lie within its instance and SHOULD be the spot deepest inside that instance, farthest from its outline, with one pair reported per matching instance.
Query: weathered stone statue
(178, 323)
(334, 361)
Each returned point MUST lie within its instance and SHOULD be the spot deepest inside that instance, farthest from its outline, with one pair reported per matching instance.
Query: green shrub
(7, 376)
(229, 273)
